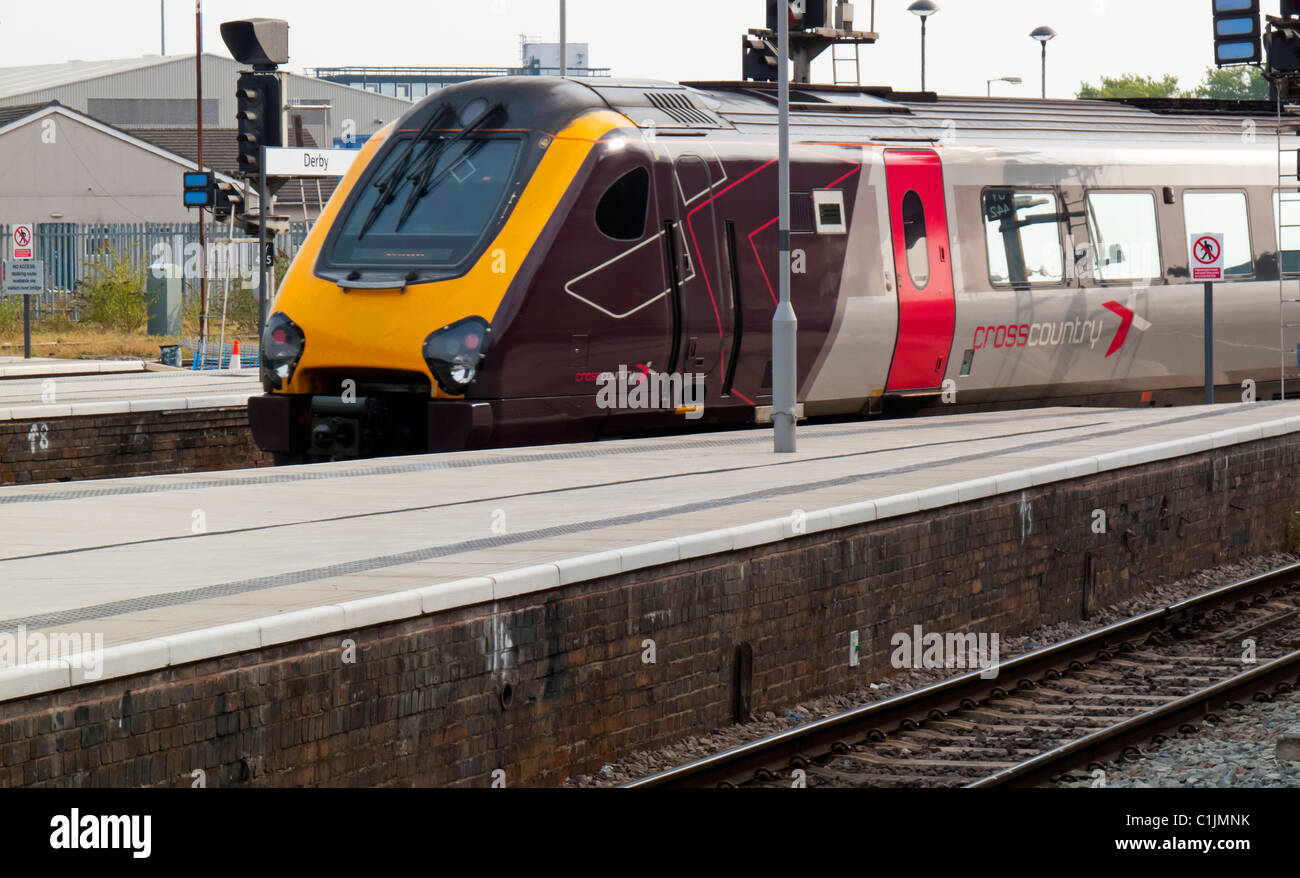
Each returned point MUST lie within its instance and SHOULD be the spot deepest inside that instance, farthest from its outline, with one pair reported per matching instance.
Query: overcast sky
(970, 41)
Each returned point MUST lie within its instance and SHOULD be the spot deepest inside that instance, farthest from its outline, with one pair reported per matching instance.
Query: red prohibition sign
(21, 236)
(1206, 250)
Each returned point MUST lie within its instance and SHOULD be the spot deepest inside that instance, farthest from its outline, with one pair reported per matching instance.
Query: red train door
(927, 309)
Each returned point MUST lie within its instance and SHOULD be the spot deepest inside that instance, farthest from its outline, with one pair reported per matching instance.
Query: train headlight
(455, 352)
(282, 347)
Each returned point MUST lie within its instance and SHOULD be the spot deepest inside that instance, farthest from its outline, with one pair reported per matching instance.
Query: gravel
(643, 763)
(1240, 751)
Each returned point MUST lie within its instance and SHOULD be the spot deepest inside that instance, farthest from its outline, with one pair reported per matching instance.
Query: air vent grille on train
(681, 108)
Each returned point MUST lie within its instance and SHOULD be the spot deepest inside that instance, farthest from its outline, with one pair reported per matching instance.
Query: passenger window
(1286, 213)
(915, 240)
(1125, 240)
(622, 209)
(1222, 212)
(1022, 230)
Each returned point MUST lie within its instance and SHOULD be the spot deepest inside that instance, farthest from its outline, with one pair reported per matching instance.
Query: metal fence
(70, 250)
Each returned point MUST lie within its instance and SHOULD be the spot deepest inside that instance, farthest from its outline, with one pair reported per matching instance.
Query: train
(523, 260)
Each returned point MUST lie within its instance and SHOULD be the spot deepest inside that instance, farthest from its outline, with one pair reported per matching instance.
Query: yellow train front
(390, 331)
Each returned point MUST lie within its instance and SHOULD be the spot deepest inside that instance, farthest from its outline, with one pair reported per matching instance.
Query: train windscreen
(429, 205)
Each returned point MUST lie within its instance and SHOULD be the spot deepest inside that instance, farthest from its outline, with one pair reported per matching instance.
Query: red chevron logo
(1126, 321)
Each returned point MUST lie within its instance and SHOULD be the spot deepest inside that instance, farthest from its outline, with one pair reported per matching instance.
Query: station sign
(295, 162)
(1207, 256)
(24, 241)
(23, 277)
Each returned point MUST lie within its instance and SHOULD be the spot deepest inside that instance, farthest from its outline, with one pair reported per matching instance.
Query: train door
(694, 246)
(927, 309)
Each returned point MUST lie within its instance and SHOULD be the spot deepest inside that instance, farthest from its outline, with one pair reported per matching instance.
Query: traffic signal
(815, 14)
(1236, 32)
(759, 62)
(199, 188)
(804, 14)
(260, 42)
(227, 199)
(258, 108)
(1283, 51)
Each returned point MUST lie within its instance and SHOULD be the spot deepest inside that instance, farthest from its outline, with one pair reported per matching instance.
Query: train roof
(882, 114)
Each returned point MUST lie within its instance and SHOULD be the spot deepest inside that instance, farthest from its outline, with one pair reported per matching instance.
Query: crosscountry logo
(1127, 319)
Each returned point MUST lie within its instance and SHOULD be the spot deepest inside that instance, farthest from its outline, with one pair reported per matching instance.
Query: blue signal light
(1237, 32)
(196, 179)
(196, 199)
(1229, 53)
(1235, 27)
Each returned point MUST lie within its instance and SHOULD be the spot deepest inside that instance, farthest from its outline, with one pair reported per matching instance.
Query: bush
(11, 314)
(113, 293)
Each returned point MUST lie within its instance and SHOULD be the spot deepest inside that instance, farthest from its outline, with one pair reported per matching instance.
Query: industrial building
(158, 91)
(416, 83)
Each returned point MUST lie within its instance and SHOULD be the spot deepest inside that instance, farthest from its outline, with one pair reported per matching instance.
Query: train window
(1125, 237)
(622, 209)
(1022, 230)
(1286, 213)
(915, 240)
(440, 224)
(1222, 212)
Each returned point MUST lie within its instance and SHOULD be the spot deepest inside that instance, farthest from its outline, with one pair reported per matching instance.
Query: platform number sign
(24, 241)
(1207, 256)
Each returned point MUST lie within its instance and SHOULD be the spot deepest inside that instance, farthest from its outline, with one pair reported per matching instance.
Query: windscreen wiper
(423, 172)
(387, 184)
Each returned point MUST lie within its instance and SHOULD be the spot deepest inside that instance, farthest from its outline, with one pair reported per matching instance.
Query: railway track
(1071, 705)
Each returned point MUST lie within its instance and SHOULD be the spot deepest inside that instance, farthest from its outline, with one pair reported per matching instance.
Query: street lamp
(1013, 80)
(1043, 34)
(923, 9)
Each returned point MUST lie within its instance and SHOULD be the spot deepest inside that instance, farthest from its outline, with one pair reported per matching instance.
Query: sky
(968, 41)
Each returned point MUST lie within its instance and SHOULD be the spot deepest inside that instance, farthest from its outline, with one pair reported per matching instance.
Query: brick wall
(120, 445)
(426, 701)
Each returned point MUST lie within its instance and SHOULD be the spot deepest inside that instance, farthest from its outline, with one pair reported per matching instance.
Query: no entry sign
(1207, 256)
(24, 240)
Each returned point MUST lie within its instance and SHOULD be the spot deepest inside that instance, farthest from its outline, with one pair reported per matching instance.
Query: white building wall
(57, 165)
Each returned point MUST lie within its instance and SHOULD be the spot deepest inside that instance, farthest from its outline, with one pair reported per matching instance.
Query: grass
(59, 337)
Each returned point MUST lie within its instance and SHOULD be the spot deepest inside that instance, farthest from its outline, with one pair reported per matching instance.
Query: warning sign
(1207, 256)
(24, 240)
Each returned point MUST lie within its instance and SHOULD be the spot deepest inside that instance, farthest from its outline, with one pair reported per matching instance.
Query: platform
(18, 367)
(99, 387)
(301, 551)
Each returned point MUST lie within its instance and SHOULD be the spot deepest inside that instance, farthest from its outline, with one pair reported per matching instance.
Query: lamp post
(785, 325)
(1013, 80)
(1043, 35)
(923, 9)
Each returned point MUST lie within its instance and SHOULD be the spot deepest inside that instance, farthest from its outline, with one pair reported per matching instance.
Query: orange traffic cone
(236, 361)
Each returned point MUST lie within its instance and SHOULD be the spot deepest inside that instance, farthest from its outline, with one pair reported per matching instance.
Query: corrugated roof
(18, 111)
(220, 145)
(21, 80)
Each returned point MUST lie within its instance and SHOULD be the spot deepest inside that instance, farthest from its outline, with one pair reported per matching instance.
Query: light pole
(923, 9)
(785, 325)
(564, 42)
(1043, 35)
(1013, 80)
